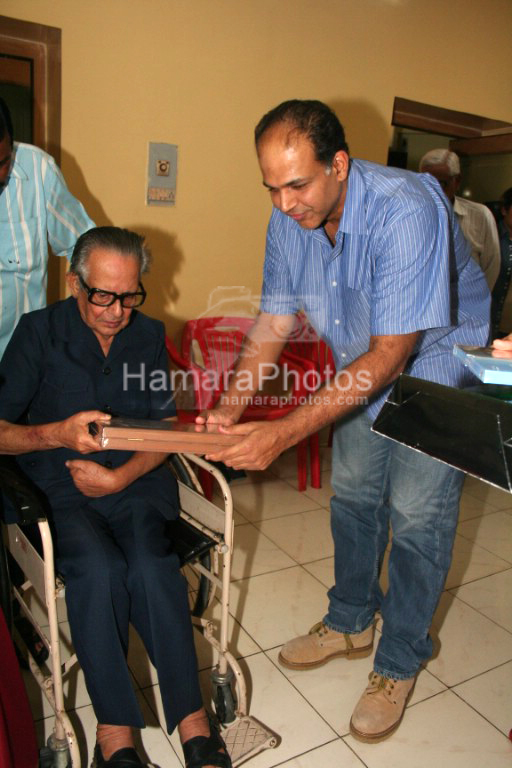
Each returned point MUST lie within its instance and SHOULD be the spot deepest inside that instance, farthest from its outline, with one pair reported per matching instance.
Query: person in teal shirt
(36, 209)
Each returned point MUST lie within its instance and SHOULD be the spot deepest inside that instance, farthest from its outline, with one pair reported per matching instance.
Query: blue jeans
(381, 484)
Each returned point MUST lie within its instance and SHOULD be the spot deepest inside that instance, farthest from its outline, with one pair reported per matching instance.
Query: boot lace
(381, 683)
(319, 629)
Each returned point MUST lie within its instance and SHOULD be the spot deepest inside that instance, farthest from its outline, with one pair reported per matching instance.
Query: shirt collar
(77, 332)
(459, 209)
(353, 218)
(17, 171)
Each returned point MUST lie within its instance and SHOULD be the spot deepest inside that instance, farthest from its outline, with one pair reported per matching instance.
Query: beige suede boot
(380, 709)
(323, 644)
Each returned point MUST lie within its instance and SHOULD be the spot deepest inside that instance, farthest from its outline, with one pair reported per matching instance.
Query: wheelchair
(204, 543)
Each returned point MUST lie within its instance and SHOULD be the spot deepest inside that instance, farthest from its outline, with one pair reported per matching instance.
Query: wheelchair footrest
(245, 737)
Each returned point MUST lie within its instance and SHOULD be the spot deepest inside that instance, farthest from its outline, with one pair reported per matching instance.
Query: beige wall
(200, 73)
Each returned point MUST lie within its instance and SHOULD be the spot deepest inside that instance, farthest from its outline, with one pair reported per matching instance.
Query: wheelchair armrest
(27, 501)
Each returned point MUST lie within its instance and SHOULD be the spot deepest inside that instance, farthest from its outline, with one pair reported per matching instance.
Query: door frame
(472, 134)
(41, 44)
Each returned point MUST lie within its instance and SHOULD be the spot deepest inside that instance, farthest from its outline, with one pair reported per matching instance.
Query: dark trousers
(119, 569)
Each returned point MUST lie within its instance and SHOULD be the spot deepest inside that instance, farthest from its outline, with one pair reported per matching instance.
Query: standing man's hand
(503, 347)
(260, 444)
(222, 415)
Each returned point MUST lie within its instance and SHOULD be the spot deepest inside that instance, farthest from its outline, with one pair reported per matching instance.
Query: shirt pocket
(131, 403)
(22, 244)
(61, 397)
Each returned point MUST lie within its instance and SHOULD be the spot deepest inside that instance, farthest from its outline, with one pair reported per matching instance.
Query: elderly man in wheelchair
(62, 371)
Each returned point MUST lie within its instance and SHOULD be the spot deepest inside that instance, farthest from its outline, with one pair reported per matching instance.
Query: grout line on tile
(477, 498)
(506, 560)
(307, 752)
(301, 694)
(477, 579)
(257, 575)
(467, 680)
(342, 739)
(317, 508)
(505, 735)
(493, 621)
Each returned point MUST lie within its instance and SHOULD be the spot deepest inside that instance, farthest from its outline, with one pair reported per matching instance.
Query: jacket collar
(78, 334)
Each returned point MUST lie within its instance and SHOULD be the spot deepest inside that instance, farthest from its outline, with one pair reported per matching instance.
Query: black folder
(470, 429)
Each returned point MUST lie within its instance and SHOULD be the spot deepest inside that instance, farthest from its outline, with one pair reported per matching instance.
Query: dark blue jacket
(54, 367)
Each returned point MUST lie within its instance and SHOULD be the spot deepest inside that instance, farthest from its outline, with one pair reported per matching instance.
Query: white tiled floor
(461, 711)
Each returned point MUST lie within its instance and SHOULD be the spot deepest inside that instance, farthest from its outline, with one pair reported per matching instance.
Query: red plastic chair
(193, 345)
(219, 342)
(305, 344)
(190, 375)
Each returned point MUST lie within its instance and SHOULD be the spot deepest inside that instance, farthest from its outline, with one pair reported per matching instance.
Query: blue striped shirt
(36, 207)
(400, 264)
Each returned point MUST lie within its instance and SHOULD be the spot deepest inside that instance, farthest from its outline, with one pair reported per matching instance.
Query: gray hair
(114, 239)
(441, 157)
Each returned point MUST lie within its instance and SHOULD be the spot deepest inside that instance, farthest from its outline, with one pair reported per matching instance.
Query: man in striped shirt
(476, 220)
(36, 207)
(375, 257)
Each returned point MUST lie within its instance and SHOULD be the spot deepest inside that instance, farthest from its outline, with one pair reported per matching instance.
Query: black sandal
(205, 750)
(126, 757)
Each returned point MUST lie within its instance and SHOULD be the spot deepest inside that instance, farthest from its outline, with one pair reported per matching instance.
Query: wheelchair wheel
(225, 703)
(199, 586)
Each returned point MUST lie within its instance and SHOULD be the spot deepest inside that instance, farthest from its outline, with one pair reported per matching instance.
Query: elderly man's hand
(75, 433)
(93, 479)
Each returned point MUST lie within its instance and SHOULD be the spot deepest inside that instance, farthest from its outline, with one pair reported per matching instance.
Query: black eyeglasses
(107, 298)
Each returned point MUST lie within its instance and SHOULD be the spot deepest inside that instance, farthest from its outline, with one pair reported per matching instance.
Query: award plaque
(163, 436)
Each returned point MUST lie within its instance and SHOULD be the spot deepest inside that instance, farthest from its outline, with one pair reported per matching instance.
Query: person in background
(63, 369)
(501, 306)
(36, 208)
(374, 257)
(476, 220)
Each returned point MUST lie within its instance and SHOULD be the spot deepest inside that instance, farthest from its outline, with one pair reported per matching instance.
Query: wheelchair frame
(243, 734)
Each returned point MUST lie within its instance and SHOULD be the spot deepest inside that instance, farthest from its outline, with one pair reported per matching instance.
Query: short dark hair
(5, 121)
(311, 118)
(113, 238)
(506, 199)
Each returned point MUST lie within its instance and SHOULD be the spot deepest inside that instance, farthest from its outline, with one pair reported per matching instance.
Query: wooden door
(30, 83)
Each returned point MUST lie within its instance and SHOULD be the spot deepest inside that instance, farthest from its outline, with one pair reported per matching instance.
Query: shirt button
(336, 322)
(108, 464)
(343, 354)
(107, 370)
(334, 283)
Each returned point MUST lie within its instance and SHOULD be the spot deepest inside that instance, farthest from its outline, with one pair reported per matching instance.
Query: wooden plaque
(165, 436)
